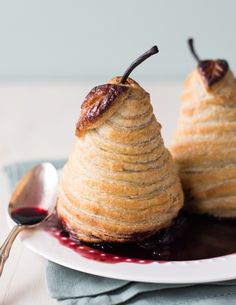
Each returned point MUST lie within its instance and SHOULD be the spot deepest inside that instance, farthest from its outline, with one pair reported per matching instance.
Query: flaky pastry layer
(204, 145)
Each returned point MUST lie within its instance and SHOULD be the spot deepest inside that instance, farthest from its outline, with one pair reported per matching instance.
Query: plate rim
(113, 270)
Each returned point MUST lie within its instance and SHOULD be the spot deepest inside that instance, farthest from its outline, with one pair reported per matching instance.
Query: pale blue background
(81, 40)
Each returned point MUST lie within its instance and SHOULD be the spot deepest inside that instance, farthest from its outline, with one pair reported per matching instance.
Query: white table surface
(37, 121)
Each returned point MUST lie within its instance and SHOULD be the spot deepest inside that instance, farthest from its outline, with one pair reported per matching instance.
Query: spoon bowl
(32, 202)
(35, 196)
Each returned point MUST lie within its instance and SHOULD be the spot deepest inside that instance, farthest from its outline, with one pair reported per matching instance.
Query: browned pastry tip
(211, 71)
(102, 101)
(99, 100)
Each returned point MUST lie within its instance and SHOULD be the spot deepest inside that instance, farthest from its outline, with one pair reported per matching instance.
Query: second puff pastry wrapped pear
(120, 183)
(204, 144)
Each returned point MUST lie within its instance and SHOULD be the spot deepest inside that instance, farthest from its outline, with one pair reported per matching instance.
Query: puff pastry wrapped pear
(204, 145)
(120, 183)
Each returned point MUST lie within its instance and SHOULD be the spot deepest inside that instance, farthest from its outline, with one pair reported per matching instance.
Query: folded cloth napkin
(72, 287)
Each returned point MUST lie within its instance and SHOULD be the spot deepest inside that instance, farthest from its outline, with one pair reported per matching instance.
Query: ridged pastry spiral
(120, 183)
(204, 145)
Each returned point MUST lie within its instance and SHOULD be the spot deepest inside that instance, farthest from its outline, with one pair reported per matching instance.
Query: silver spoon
(32, 202)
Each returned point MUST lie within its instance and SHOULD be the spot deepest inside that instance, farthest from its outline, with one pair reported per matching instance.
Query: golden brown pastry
(204, 145)
(120, 183)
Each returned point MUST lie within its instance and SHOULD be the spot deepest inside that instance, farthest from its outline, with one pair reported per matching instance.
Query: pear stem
(137, 62)
(191, 46)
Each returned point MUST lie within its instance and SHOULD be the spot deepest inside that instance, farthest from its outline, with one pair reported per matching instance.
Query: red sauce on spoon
(28, 215)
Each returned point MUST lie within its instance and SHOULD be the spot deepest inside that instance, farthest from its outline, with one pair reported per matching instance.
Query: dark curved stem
(137, 62)
(191, 46)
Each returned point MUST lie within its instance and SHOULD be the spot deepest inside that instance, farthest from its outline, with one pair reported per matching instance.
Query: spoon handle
(6, 247)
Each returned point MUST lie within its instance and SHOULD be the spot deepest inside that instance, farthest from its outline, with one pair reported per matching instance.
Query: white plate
(198, 271)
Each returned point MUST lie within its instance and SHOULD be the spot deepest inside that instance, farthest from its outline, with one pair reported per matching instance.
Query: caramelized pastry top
(102, 102)
(195, 88)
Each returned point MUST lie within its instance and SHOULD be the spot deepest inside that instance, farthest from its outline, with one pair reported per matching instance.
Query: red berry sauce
(188, 238)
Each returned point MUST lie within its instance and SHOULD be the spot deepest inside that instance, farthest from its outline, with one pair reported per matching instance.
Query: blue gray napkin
(72, 287)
